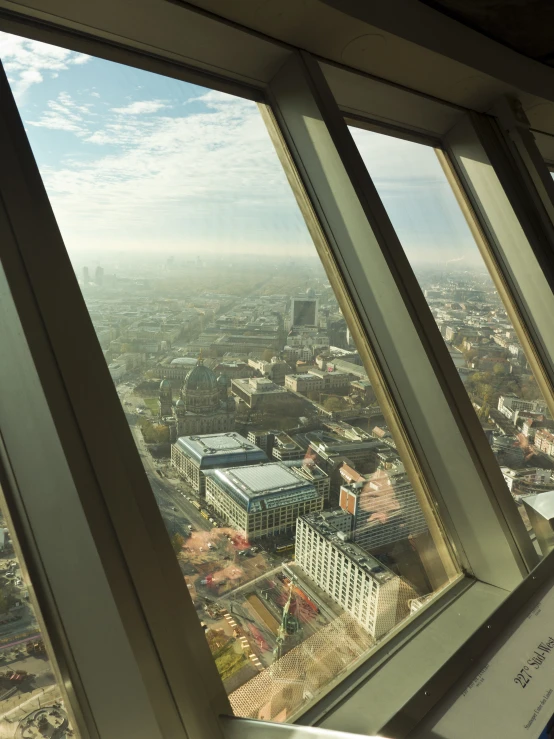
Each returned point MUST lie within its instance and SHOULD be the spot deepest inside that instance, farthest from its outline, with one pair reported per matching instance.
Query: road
(169, 492)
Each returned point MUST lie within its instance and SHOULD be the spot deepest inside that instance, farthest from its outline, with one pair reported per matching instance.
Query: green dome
(200, 379)
(165, 385)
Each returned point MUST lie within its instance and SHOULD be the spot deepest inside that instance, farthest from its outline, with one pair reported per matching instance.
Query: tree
(268, 355)
(154, 433)
(498, 368)
(177, 542)
(333, 403)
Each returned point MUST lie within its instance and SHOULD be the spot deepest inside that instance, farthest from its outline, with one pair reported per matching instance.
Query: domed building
(203, 406)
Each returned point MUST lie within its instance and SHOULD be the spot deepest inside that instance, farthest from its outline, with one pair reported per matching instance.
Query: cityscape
(298, 533)
(293, 520)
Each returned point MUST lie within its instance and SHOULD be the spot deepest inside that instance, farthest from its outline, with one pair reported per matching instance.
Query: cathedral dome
(222, 380)
(165, 385)
(180, 403)
(200, 379)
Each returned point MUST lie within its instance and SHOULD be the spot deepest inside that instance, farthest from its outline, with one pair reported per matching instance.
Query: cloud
(64, 114)
(25, 61)
(141, 107)
(209, 179)
(416, 196)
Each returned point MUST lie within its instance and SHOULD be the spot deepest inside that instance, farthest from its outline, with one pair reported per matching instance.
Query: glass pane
(471, 317)
(300, 537)
(31, 698)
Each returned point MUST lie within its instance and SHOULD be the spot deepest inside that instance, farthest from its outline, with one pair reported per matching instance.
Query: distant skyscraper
(99, 276)
(303, 312)
(86, 276)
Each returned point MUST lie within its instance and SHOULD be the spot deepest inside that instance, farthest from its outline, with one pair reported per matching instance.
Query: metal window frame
(432, 405)
(171, 678)
(515, 236)
(508, 548)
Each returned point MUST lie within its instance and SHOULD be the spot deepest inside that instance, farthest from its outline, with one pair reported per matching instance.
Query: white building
(358, 582)
(510, 404)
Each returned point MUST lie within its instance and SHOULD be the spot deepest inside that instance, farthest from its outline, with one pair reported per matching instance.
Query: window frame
(40, 327)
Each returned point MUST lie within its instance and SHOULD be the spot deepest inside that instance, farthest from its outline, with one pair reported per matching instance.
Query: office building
(261, 500)
(384, 507)
(363, 586)
(303, 311)
(258, 392)
(193, 455)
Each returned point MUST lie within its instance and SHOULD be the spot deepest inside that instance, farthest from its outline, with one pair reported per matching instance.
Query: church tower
(165, 401)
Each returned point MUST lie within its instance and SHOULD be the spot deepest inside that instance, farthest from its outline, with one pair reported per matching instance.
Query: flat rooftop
(322, 523)
(211, 450)
(263, 486)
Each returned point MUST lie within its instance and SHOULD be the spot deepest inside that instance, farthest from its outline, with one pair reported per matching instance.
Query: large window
(301, 537)
(472, 319)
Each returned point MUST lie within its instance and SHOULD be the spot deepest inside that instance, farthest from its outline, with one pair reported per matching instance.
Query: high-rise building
(384, 509)
(99, 276)
(303, 311)
(86, 276)
(363, 586)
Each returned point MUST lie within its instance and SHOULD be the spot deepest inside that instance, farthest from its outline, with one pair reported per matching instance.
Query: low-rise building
(256, 391)
(303, 383)
(276, 370)
(354, 579)
(192, 456)
(284, 448)
(309, 471)
(260, 500)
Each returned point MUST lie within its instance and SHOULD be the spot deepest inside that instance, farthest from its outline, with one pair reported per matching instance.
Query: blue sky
(136, 161)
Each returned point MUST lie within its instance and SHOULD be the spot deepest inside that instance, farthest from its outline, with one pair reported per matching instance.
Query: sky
(138, 162)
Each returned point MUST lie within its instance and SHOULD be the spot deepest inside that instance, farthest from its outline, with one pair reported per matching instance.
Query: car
(173, 508)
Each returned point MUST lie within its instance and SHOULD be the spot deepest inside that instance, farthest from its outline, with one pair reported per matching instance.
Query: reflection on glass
(467, 308)
(31, 702)
(298, 533)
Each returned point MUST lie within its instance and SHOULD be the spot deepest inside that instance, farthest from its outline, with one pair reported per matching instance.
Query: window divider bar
(452, 453)
(517, 243)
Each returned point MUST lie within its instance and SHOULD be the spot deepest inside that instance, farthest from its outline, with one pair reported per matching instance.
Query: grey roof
(217, 450)
(322, 523)
(263, 486)
(186, 361)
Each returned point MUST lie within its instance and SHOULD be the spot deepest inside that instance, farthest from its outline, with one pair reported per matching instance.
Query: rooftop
(220, 449)
(258, 385)
(322, 523)
(263, 486)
